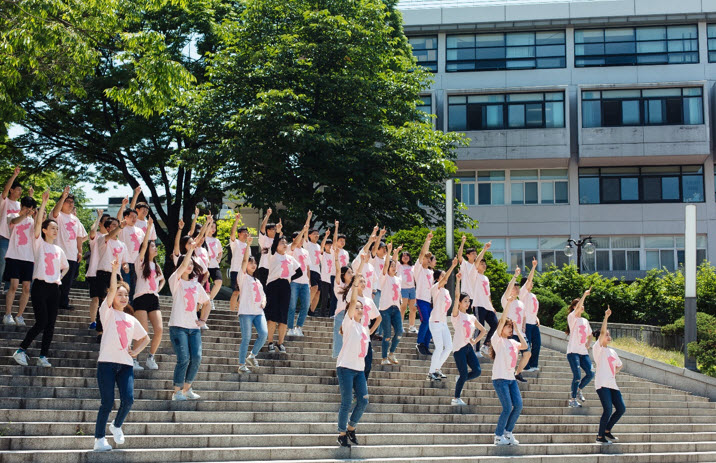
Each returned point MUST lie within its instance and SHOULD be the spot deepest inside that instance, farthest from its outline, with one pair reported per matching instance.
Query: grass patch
(671, 357)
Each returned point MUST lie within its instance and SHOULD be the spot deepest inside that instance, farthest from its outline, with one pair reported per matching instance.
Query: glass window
(521, 110)
(711, 31)
(465, 189)
(425, 50)
(426, 105)
(491, 187)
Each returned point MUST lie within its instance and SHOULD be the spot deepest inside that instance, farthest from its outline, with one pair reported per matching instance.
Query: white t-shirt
(378, 264)
(371, 277)
(281, 267)
(201, 257)
(423, 282)
(21, 237)
(215, 251)
(607, 362)
(579, 332)
(343, 258)
(302, 257)
(370, 311)
(531, 305)
(253, 298)
(314, 254)
(482, 292)
(142, 225)
(146, 285)
(327, 267)
(389, 291)
(237, 254)
(406, 276)
(7, 207)
(132, 236)
(70, 229)
(442, 302)
(96, 246)
(50, 261)
(355, 345)
(119, 330)
(265, 244)
(469, 278)
(464, 325)
(186, 294)
(515, 312)
(506, 352)
(337, 291)
(112, 250)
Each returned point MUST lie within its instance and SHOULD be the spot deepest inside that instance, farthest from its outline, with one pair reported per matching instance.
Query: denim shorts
(407, 293)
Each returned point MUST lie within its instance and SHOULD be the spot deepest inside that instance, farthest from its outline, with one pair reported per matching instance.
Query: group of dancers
(40, 252)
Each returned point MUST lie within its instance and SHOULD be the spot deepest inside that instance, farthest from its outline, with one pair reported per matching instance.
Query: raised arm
(193, 221)
(93, 230)
(145, 242)
(113, 234)
(387, 257)
(579, 310)
(532, 272)
(456, 305)
(135, 196)
(462, 246)
(481, 255)
(265, 221)
(41, 213)
(177, 238)
(446, 275)
(508, 292)
(603, 331)
(350, 311)
(426, 246)
(234, 226)
(112, 291)
(20, 218)
(120, 212)
(335, 234)
(10, 181)
(187, 259)
(247, 254)
(325, 238)
(58, 205)
(376, 244)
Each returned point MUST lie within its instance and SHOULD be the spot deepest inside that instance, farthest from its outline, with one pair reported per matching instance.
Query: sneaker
(117, 434)
(603, 440)
(191, 395)
(520, 378)
(511, 439)
(272, 347)
(532, 369)
(351, 435)
(500, 440)
(281, 348)
(20, 321)
(413, 330)
(610, 437)
(479, 355)
(580, 396)
(205, 327)
(485, 350)
(299, 331)
(93, 326)
(101, 445)
(8, 320)
(457, 402)
(291, 332)
(392, 359)
(137, 366)
(433, 377)
(42, 362)
(20, 357)
(385, 361)
(151, 363)
(179, 396)
(440, 373)
(251, 360)
(244, 369)
(422, 350)
(343, 441)
(574, 404)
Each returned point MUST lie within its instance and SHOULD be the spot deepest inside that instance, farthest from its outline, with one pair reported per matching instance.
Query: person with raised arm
(516, 312)
(132, 236)
(339, 242)
(112, 249)
(301, 286)
(341, 280)
(464, 325)
(50, 267)
(314, 252)
(442, 302)
(267, 232)
(150, 282)
(407, 290)
(423, 282)
(116, 359)
(389, 304)
(504, 351)
(485, 312)
(532, 333)
(142, 214)
(327, 275)
(251, 311)
(72, 235)
(579, 332)
(237, 245)
(378, 254)
(96, 244)
(215, 252)
(9, 204)
(608, 366)
(19, 259)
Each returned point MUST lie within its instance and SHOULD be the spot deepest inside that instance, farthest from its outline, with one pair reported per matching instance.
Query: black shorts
(146, 302)
(102, 281)
(315, 278)
(95, 289)
(278, 296)
(234, 283)
(215, 274)
(16, 269)
(261, 274)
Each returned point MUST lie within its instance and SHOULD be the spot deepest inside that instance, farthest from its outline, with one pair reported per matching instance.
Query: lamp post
(588, 248)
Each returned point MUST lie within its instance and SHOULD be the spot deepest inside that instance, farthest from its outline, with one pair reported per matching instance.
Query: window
(711, 30)
(615, 253)
(497, 248)
(501, 51)
(425, 49)
(636, 46)
(663, 106)
(465, 188)
(520, 251)
(554, 187)
(426, 106)
(668, 251)
(491, 187)
(610, 185)
(500, 111)
(529, 186)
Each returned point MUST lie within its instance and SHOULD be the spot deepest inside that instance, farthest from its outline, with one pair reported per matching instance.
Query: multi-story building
(586, 118)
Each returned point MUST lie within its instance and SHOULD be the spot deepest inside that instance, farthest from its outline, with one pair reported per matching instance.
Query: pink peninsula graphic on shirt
(368, 277)
(513, 356)
(302, 261)
(135, 240)
(447, 302)
(583, 334)
(396, 293)
(116, 251)
(330, 266)
(284, 268)
(611, 360)
(468, 327)
(21, 235)
(12, 211)
(363, 345)
(122, 332)
(408, 275)
(189, 294)
(486, 287)
(318, 257)
(257, 292)
(518, 312)
(70, 227)
(153, 280)
(343, 260)
(49, 263)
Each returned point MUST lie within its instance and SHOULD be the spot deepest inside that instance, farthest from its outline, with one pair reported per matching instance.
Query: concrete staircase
(286, 410)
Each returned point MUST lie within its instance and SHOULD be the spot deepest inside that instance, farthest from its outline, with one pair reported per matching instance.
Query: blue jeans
(610, 397)
(337, 337)
(424, 309)
(107, 375)
(391, 317)
(376, 298)
(350, 382)
(4, 244)
(511, 400)
(535, 339)
(464, 357)
(575, 361)
(246, 321)
(187, 347)
(303, 292)
(131, 279)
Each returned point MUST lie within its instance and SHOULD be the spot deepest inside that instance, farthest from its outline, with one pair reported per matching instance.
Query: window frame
(505, 105)
(431, 66)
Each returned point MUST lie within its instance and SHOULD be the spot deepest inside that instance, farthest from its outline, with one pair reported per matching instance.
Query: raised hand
(150, 222)
(608, 312)
(430, 235)
(517, 272)
(328, 231)
(46, 195)
(390, 247)
(310, 214)
(400, 248)
(115, 265)
(488, 245)
(464, 238)
(279, 226)
(269, 211)
(181, 224)
(459, 276)
(249, 240)
(196, 211)
(16, 172)
(137, 190)
(382, 233)
(125, 201)
(100, 212)
(534, 262)
(31, 192)
(336, 223)
(364, 257)
(454, 261)
(588, 292)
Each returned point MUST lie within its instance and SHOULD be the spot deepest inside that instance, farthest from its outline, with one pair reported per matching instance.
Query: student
(251, 313)
(301, 286)
(9, 204)
(503, 351)
(116, 359)
(184, 326)
(515, 310)
(475, 285)
(19, 259)
(327, 275)
(608, 365)
(113, 249)
(485, 311)
(442, 302)
(464, 325)
(132, 236)
(341, 280)
(200, 257)
(238, 245)
(267, 232)
(407, 290)
(423, 282)
(579, 331)
(532, 333)
(72, 235)
(379, 253)
(215, 253)
(314, 252)
(49, 268)
(96, 243)
(150, 282)
(391, 315)
(142, 214)
(339, 242)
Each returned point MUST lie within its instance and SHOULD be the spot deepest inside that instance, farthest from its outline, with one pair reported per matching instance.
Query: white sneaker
(137, 366)
(533, 369)
(500, 440)
(178, 396)
(413, 330)
(392, 359)
(441, 374)
(479, 355)
(20, 321)
(291, 332)
(190, 394)
(117, 434)
(580, 396)
(8, 320)
(457, 402)
(251, 360)
(151, 363)
(101, 445)
(42, 361)
(244, 369)
(205, 327)
(511, 439)
(574, 404)
(385, 361)
(299, 331)
(485, 350)
(20, 357)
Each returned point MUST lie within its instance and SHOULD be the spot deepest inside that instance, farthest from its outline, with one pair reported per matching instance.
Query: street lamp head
(568, 250)
(589, 248)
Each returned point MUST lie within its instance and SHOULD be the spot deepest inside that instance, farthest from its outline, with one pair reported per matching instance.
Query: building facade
(585, 118)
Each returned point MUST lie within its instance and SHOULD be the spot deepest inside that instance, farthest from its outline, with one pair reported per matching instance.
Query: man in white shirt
(70, 238)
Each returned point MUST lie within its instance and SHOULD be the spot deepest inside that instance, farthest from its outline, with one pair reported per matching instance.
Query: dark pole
(579, 256)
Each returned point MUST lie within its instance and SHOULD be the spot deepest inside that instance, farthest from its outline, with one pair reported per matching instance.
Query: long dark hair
(572, 306)
(410, 258)
(507, 322)
(195, 272)
(349, 285)
(146, 263)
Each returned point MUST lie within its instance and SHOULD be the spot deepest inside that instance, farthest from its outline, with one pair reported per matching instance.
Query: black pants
(484, 315)
(333, 300)
(324, 305)
(261, 275)
(45, 301)
(67, 281)
(368, 361)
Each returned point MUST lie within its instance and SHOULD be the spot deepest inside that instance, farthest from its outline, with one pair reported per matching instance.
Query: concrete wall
(648, 334)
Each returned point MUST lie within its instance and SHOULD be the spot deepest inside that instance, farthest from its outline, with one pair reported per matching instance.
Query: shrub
(560, 319)
(705, 326)
(704, 351)
(549, 305)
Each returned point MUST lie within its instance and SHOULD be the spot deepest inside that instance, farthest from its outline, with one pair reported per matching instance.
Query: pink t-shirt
(406, 276)
(50, 261)
(146, 285)
(469, 278)
(265, 244)
(215, 251)
(142, 225)
(303, 258)
(607, 362)
(314, 253)
(70, 229)
(185, 297)
(579, 332)
(253, 298)
(506, 353)
(482, 292)
(21, 237)
(389, 291)
(442, 302)
(96, 246)
(515, 312)
(237, 254)
(112, 250)
(464, 325)
(281, 267)
(328, 268)
(119, 330)
(132, 236)
(531, 306)
(355, 345)
(423, 282)
(343, 258)
(7, 207)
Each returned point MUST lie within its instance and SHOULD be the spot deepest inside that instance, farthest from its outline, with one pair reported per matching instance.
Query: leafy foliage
(705, 324)
(549, 305)
(560, 319)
